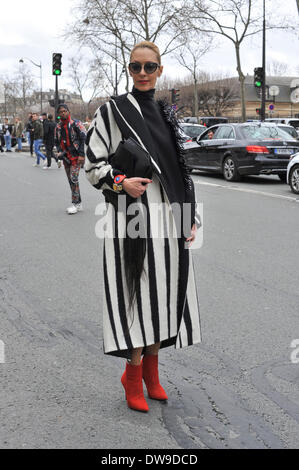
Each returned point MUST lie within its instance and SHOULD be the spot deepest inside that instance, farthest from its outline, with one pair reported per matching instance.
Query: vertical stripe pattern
(155, 315)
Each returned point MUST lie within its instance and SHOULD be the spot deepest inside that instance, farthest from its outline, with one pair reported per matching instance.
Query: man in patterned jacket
(70, 137)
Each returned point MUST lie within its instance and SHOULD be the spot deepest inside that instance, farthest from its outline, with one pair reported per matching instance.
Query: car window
(290, 130)
(294, 123)
(204, 135)
(193, 131)
(265, 133)
(225, 132)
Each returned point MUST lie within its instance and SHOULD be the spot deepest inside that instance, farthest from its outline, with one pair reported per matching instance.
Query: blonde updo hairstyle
(148, 45)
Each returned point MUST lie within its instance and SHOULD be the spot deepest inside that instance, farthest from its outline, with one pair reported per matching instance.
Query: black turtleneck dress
(166, 308)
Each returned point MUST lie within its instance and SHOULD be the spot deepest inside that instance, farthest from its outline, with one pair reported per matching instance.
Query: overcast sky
(32, 29)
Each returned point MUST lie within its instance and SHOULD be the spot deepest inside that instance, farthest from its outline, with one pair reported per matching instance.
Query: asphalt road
(237, 389)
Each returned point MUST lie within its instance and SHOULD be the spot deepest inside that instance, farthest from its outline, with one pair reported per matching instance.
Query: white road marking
(244, 190)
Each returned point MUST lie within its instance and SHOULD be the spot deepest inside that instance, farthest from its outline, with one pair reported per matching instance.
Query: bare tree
(86, 78)
(234, 20)
(18, 88)
(189, 56)
(217, 94)
(276, 68)
(114, 26)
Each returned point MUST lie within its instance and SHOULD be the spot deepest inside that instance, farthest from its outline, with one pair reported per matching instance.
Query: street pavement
(237, 389)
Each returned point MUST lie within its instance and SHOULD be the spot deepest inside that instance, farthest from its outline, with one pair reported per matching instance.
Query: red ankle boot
(151, 378)
(132, 383)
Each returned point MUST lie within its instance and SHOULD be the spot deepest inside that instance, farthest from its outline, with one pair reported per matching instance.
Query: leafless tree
(234, 20)
(189, 56)
(114, 26)
(18, 88)
(276, 68)
(217, 94)
(86, 78)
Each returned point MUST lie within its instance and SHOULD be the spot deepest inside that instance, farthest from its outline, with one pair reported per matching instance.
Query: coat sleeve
(102, 140)
(81, 132)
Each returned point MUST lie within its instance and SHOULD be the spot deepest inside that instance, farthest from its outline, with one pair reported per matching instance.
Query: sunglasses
(149, 67)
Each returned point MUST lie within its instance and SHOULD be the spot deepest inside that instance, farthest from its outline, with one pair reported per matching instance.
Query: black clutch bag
(132, 159)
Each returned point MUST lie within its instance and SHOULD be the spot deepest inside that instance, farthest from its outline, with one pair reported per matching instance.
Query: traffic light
(258, 111)
(258, 77)
(56, 63)
(175, 96)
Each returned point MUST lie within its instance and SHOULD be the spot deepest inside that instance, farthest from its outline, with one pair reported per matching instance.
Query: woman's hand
(193, 235)
(135, 187)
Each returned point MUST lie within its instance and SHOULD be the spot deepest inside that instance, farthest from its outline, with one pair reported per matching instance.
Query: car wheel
(229, 169)
(294, 179)
(283, 177)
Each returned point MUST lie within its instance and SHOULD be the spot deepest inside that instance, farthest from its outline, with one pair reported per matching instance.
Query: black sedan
(249, 148)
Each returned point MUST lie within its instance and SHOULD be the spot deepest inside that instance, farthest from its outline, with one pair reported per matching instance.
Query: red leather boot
(151, 377)
(132, 383)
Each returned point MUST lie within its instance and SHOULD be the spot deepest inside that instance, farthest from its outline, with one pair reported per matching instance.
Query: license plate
(284, 151)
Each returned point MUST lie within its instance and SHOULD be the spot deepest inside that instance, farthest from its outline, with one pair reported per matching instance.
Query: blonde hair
(149, 45)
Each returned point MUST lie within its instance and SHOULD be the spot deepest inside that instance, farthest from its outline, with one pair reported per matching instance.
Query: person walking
(49, 140)
(7, 131)
(70, 136)
(150, 293)
(29, 133)
(2, 141)
(18, 131)
(38, 134)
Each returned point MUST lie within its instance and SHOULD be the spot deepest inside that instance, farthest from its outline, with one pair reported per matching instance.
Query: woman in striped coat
(150, 293)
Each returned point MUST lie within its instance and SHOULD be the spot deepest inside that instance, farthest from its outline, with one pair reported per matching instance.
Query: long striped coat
(166, 309)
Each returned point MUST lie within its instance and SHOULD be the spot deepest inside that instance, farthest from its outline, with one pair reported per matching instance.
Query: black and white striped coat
(155, 316)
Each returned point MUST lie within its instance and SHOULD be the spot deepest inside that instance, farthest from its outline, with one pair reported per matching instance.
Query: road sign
(271, 107)
(274, 90)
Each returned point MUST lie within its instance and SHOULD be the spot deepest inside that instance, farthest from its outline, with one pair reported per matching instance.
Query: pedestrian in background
(151, 301)
(38, 134)
(49, 140)
(70, 136)
(7, 131)
(2, 141)
(29, 133)
(87, 122)
(18, 131)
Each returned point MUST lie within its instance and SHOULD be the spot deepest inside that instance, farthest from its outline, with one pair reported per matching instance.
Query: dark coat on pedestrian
(38, 130)
(49, 133)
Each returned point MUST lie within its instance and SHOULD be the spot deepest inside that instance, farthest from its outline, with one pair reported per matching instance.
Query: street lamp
(41, 79)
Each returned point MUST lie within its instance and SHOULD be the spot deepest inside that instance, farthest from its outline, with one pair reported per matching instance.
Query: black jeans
(50, 154)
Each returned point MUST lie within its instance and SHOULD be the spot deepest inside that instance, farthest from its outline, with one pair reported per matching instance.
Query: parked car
(293, 173)
(242, 149)
(206, 121)
(192, 130)
(289, 121)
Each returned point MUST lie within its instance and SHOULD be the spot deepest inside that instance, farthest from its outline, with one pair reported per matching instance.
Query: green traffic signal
(56, 65)
(258, 84)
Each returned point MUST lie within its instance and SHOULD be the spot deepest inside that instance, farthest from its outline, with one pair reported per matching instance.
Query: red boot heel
(151, 378)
